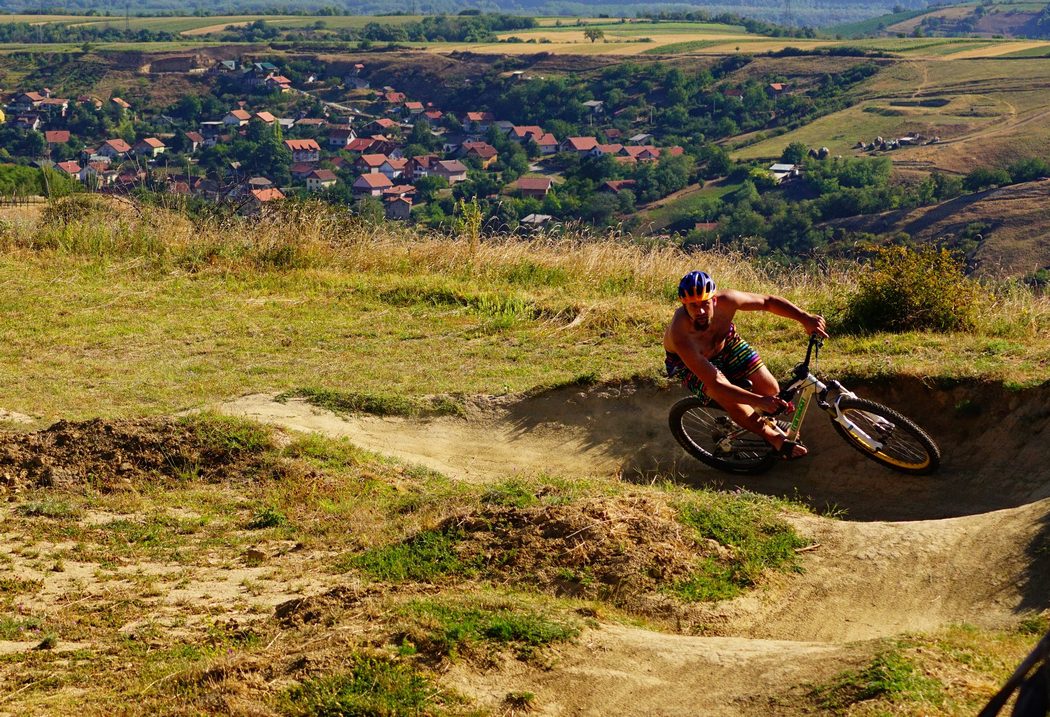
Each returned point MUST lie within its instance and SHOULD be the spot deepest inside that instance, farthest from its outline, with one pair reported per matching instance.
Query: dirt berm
(906, 553)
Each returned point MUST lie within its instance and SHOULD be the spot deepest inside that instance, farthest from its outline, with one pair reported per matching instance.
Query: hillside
(1009, 19)
(299, 463)
(1001, 231)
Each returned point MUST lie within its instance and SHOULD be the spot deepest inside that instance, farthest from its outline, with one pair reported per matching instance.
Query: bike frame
(802, 390)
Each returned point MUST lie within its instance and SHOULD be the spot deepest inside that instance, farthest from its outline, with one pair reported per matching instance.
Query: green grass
(891, 677)
(143, 320)
(426, 556)
(872, 25)
(370, 686)
(758, 539)
(447, 627)
(682, 47)
(346, 402)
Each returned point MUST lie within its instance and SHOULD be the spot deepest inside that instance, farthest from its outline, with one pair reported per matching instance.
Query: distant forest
(810, 13)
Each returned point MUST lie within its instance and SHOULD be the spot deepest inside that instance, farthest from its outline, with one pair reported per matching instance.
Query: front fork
(804, 392)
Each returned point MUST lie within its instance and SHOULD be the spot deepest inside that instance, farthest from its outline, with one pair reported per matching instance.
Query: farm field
(985, 111)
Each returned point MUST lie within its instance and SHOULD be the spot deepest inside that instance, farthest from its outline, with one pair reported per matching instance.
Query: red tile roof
(302, 145)
(533, 184)
(373, 181)
(57, 136)
(267, 195)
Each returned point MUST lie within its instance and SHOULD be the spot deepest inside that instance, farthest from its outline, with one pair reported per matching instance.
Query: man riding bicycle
(704, 351)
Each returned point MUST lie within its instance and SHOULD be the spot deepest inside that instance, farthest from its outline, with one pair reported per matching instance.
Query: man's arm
(716, 385)
(778, 305)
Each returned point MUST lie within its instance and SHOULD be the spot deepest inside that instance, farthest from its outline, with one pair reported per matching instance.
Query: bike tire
(906, 447)
(698, 428)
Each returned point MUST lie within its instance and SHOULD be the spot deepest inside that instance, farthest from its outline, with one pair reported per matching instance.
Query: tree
(594, 34)
(794, 153)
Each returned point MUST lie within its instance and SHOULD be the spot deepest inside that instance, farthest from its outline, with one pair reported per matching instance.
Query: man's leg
(762, 383)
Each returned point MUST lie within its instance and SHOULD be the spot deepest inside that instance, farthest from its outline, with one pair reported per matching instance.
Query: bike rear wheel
(708, 434)
(905, 447)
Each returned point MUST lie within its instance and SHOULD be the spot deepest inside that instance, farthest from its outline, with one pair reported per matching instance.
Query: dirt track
(909, 554)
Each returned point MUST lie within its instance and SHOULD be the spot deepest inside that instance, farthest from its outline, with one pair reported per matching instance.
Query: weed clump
(372, 686)
(914, 290)
(891, 676)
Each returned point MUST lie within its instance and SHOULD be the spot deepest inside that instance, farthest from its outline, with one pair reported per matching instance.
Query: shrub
(913, 290)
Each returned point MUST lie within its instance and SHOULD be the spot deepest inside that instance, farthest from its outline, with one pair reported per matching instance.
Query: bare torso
(682, 335)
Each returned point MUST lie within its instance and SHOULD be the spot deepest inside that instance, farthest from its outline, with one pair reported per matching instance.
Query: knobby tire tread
(901, 422)
(678, 411)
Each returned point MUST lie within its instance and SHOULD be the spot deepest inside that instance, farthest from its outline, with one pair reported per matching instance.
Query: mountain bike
(707, 432)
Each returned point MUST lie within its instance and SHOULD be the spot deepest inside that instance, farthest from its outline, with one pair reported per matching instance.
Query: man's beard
(701, 324)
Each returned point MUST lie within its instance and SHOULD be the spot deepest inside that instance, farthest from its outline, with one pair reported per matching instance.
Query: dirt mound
(113, 454)
(324, 608)
(618, 549)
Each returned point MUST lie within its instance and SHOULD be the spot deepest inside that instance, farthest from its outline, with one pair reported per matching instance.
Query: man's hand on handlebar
(814, 324)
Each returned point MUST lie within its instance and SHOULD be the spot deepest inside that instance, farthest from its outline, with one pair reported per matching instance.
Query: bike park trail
(897, 553)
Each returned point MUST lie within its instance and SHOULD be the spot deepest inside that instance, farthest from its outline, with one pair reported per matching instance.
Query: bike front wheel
(708, 434)
(887, 437)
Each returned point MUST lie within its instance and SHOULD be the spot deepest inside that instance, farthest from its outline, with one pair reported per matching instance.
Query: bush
(913, 290)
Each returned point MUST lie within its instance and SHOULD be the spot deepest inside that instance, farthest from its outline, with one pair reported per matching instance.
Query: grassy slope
(135, 332)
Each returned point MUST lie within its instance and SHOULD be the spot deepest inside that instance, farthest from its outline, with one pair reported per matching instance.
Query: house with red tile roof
(394, 167)
(340, 137)
(383, 124)
(299, 170)
(421, 165)
(361, 145)
(414, 108)
(483, 151)
(398, 208)
(478, 121)
(114, 148)
(70, 168)
(149, 147)
(372, 184)
(370, 163)
(548, 144)
(451, 169)
(618, 185)
(236, 118)
(196, 141)
(265, 117)
(320, 179)
(56, 136)
(303, 150)
(580, 145)
(536, 187)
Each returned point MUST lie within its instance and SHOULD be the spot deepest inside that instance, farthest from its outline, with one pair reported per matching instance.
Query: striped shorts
(737, 360)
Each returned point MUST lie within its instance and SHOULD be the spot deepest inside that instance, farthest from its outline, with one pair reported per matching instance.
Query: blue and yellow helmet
(696, 286)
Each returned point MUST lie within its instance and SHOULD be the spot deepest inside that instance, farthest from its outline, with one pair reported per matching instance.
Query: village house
(361, 145)
(370, 163)
(604, 149)
(432, 116)
(236, 118)
(124, 106)
(398, 208)
(114, 148)
(55, 106)
(26, 102)
(91, 101)
(579, 145)
(303, 150)
(259, 198)
(264, 117)
(149, 147)
(548, 144)
(71, 169)
(320, 179)
(392, 98)
(594, 106)
(56, 136)
(393, 167)
(98, 174)
(299, 170)
(278, 83)
(522, 134)
(341, 137)
(478, 121)
(381, 125)
(371, 185)
(413, 108)
(482, 151)
(452, 170)
(535, 187)
(30, 122)
(640, 139)
(421, 165)
(195, 140)
(399, 190)
(784, 172)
